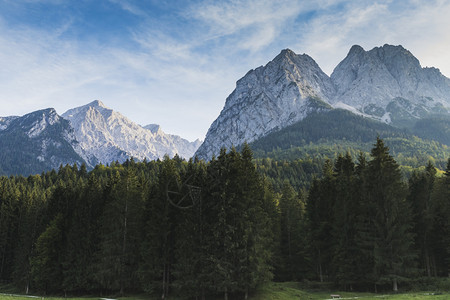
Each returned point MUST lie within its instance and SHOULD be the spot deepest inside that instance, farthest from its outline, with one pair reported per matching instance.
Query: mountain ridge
(37, 142)
(109, 136)
(89, 134)
(386, 84)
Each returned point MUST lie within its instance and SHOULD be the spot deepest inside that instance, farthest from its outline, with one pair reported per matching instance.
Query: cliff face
(269, 98)
(106, 136)
(386, 84)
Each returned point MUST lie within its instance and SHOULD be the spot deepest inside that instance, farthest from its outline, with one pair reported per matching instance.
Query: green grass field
(293, 290)
(284, 291)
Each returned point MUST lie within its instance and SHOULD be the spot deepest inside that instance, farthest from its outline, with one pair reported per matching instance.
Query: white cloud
(129, 7)
(420, 26)
(182, 72)
(256, 23)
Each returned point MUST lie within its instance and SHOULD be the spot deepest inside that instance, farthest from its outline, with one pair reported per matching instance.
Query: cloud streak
(176, 65)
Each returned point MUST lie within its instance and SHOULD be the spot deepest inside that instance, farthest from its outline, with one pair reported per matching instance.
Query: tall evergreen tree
(319, 208)
(420, 190)
(292, 244)
(158, 235)
(120, 233)
(345, 257)
(441, 231)
(46, 265)
(392, 238)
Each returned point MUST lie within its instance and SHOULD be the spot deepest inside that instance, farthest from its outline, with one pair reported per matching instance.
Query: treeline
(200, 229)
(367, 226)
(159, 227)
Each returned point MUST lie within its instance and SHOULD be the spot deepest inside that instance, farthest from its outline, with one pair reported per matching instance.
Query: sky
(173, 62)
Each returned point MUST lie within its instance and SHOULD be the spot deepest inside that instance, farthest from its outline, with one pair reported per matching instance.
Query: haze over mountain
(385, 84)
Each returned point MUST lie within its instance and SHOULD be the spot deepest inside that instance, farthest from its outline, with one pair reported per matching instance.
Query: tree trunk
(167, 280)
(427, 263)
(164, 283)
(225, 295)
(246, 294)
(320, 268)
(394, 285)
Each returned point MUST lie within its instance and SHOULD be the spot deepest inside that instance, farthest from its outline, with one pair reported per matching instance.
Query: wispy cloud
(176, 63)
(418, 25)
(256, 22)
(129, 7)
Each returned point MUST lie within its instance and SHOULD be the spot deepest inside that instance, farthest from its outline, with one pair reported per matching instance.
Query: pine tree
(319, 209)
(391, 218)
(345, 258)
(159, 222)
(190, 252)
(441, 231)
(118, 255)
(292, 244)
(46, 265)
(420, 190)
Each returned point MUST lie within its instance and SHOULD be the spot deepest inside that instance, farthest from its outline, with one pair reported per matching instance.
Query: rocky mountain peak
(355, 50)
(270, 97)
(96, 103)
(106, 136)
(371, 80)
(375, 84)
(154, 128)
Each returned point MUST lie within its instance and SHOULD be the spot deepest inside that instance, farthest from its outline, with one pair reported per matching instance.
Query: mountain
(386, 84)
(325, 134)
(389, 84)
(106, 136)
(267, 99)
(37, 142)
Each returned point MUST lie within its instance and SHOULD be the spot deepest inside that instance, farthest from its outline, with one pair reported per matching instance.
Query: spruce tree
(345, 214)
(292, 244)
(392, 238)
(421, 185)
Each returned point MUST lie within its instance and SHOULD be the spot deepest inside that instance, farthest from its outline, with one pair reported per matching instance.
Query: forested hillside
(200, 229)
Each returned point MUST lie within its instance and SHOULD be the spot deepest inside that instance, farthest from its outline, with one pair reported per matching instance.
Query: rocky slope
(267, 99)
(386, 84)
(37, 142)
(389, 83)
(106, 135)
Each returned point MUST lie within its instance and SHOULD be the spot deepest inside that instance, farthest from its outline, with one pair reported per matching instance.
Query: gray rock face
(269, 98)
(386, 83)
(37, 142)
(106, 136)
(371, 80)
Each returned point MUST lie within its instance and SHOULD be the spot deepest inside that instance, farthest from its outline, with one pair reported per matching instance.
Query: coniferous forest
(224, 227)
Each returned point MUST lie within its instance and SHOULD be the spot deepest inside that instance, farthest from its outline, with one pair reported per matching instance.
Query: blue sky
(174, 62)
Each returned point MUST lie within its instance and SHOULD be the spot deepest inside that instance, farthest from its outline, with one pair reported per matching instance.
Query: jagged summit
(355, 49)
(96, 103)
(153, 127)
(383, 80)
(386, 83)
(37, 142)
(107, 135)
(270, 97)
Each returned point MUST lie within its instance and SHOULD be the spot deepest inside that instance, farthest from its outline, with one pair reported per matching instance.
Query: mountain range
(386, 84)
(89, 134)
(288, 104)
